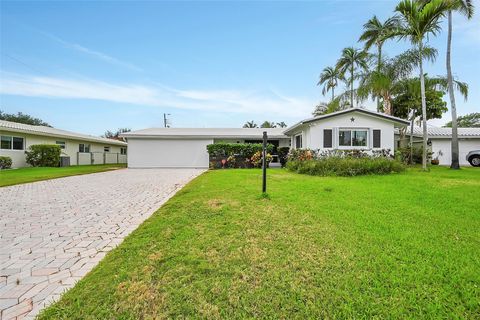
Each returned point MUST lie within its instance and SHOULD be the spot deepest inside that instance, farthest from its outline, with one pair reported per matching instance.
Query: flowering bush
(256, 159)
(231, 161)
(301, 154)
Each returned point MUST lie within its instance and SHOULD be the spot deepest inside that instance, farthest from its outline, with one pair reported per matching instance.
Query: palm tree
(352, 58)
(329, 78)
(268, 124)
(465, 7)
(281, 124)
(250, 124)
(376, 33)
(418, 21)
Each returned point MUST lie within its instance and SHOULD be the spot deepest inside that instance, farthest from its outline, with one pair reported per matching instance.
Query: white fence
(84, 158)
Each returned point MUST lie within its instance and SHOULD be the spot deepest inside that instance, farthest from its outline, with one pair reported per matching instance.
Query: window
(327, 138)
(83, 147)
(123, 150)
(377, 138)
(352, 138)
(298, 141)
(61, 144)
(11, 143)
(106, 149)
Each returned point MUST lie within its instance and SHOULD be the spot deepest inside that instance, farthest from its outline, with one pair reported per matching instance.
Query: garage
(187, 147)
(441, 139)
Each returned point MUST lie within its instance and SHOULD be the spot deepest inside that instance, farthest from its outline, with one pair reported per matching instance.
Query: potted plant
(436, 161)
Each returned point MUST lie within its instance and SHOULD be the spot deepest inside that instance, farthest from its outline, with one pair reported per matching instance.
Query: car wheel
(475, 161)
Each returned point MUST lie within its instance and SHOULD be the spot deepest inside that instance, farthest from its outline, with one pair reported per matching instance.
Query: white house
(347, 129)
(80, 148)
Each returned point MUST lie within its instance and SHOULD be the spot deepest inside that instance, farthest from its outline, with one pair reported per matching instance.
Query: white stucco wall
(71, 149)
(168, 153)
(444, 145)
(313, 133)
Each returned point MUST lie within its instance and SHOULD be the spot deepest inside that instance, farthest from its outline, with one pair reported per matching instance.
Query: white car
(474, 158)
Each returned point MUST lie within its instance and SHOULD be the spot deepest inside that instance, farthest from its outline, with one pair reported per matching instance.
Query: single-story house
(354, 128)
(80, 148)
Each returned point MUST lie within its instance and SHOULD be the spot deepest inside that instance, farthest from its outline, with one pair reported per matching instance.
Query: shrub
(283, 155)
(5, 162)
(246, 150)
(348, 166)
(301, 154)
(257, 159)
(403, 154)
(43, 155)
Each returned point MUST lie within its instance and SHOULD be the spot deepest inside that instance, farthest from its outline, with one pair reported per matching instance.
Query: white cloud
(267, 102)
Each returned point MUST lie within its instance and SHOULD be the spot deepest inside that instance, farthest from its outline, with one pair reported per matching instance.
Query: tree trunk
(379, 62)
(351, 87)
(387, 105)
(424, 109)
(333, 94)
(455, 162)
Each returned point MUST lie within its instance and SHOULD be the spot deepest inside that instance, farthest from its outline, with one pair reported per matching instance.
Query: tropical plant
(466, 8)
(250, 124)
(351, 60)
(281, 124)
(376, 33)
(329, 78)
(418, 21)
(471, 120)
(268, 124)
(116, 134)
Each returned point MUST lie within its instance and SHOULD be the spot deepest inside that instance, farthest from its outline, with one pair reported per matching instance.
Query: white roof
(52, 132)
(434, 132)
(225, 133)
(396, 120)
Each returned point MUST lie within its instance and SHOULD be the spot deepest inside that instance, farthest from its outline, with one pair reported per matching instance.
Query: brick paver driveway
(53, 232)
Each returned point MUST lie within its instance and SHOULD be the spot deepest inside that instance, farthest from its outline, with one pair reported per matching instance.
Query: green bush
(403, 154)
(283, 155)
(43, 155)
(246, 150)
(5, 162)
(338, 166)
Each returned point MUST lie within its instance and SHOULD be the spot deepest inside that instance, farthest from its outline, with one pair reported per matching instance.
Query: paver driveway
(54, 232)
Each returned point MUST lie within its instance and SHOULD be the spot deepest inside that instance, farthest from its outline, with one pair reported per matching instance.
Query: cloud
(266, 102)
(96, 54)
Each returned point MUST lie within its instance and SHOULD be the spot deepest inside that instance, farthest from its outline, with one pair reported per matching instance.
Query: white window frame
(62, 144)
(295, 140)
(106, 149)
(350, 147)
(11, 143)
(123, 150)
(84, 147)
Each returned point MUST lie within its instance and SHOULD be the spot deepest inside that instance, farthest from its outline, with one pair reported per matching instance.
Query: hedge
(5, 162)
(246, 150)
(43, 155)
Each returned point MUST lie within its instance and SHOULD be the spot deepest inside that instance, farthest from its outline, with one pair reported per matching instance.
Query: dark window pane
(327, 138)
(377, 138)
(81, 147)
(17, 143)
(298, 141)
(87, 148)
(6, 142)
(359, 138)
(344, 138)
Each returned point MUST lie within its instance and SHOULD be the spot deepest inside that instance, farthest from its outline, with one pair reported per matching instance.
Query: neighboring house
(347, 129)
(187, 147)
(82, 149)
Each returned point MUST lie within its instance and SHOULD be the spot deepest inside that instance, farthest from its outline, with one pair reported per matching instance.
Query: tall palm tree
(329, 79)
(352, 58)
(418, 21)
(376, 33)
(465, 7)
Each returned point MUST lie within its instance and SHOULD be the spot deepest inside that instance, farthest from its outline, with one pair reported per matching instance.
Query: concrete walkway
(54, 232)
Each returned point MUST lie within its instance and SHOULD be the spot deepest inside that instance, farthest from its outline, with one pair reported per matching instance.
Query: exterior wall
(444, 145)
(312, 134)
(168, 153)
(71, 150)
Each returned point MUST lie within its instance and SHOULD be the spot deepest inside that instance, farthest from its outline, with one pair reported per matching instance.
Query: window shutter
(327, 138)
(376, 138)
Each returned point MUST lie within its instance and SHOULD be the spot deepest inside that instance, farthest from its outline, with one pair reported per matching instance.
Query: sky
(91, 66)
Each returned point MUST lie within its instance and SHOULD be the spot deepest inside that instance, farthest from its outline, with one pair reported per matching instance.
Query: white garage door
(168, 153)
(444, 145)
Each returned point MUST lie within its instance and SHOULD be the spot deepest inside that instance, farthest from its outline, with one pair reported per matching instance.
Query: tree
(471, 120)
(333, 106)
(465, 7)
(419, 20)
(350, 60)
(329, 79)
(250, 124)
(116, 135)
(23, 118)
(376, 33)
(281, 124)
(268, 124)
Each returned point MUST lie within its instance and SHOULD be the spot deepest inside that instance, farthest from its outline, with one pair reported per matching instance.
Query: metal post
(264, 162)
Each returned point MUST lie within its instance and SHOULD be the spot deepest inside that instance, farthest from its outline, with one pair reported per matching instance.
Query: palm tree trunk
(351, 87)
(455, 163)
(333, 94)
(378, 70)
(424, 108)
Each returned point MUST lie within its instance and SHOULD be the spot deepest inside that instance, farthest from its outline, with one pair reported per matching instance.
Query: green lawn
(24, 175)
(398, 246)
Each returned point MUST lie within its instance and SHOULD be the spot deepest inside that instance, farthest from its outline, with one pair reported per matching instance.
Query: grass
(23, 175)
(395, 246)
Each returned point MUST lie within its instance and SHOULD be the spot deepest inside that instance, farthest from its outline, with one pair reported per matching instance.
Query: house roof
(447, 132)
(53, 132)
(225, 133)
(361, 110)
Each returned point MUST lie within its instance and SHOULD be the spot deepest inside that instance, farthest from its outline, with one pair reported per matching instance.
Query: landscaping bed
(376, 246)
